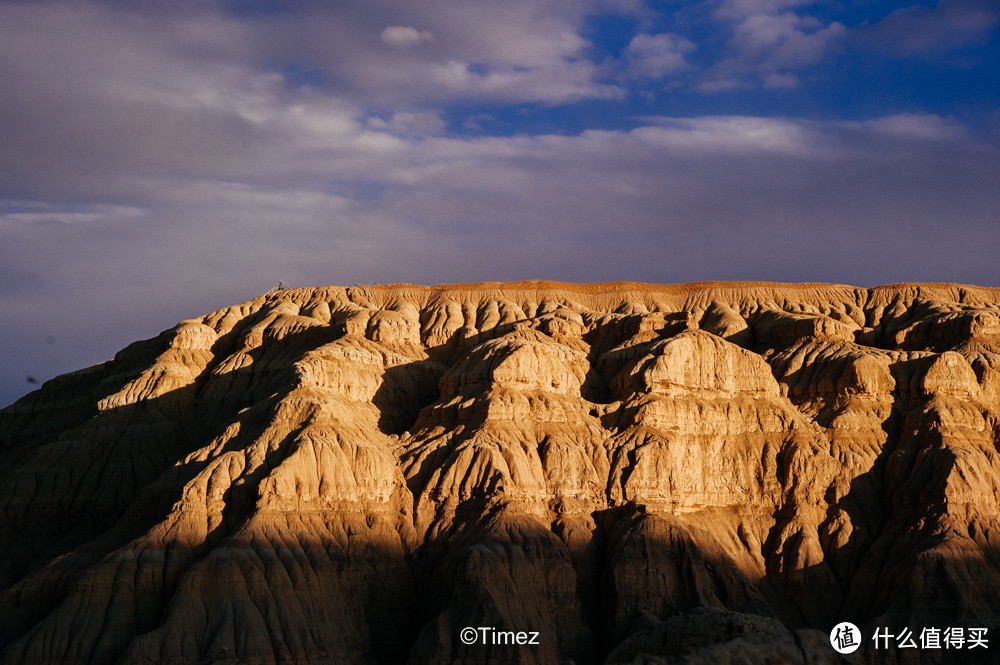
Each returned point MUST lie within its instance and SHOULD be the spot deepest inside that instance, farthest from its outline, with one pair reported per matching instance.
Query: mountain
(621, 473)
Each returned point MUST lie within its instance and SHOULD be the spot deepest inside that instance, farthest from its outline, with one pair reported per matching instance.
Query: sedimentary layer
(702, 473)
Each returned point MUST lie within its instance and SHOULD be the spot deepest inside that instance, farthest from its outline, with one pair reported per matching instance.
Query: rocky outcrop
(618, 473)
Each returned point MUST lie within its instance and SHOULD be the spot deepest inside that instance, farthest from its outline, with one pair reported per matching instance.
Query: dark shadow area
(405, 390)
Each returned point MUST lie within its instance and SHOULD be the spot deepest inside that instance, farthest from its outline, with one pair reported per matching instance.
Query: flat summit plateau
(712, 473)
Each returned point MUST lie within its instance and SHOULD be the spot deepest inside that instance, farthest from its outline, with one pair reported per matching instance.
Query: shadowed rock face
(709, 473)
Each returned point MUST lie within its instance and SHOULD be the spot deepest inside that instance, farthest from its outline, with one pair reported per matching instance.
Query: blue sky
(159, 160)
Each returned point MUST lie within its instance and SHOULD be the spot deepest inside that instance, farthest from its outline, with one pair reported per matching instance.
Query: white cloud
(768, 43)
(657, 56)
(784, 40)
(405, 36)
(732, 135)
(760, 32)
(568, 81)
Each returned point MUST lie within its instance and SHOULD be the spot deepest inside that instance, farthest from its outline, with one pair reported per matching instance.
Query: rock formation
(704, 473)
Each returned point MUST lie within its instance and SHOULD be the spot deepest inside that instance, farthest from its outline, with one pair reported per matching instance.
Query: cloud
(714, 84)
(784, 40)
(524, 51)
(404, 36)
(676, 199)
(767, 44)
(949, 25)
(570, 81)
(32, 213)
(730, 135)
(735, 10)
(657, 56)
(776, 81)
(407, 124)
(518, 51)
(931, 128)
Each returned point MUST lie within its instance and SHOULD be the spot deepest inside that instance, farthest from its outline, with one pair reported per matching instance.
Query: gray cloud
(522, 50)
(926, 30)
(908, 197)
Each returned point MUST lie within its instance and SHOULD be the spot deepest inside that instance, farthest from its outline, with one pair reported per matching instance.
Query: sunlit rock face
(708, 473)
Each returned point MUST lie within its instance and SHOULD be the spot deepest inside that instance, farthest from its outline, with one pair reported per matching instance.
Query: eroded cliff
(706, 473)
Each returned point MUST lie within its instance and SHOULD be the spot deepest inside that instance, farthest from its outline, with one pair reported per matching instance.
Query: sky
(160, 160)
